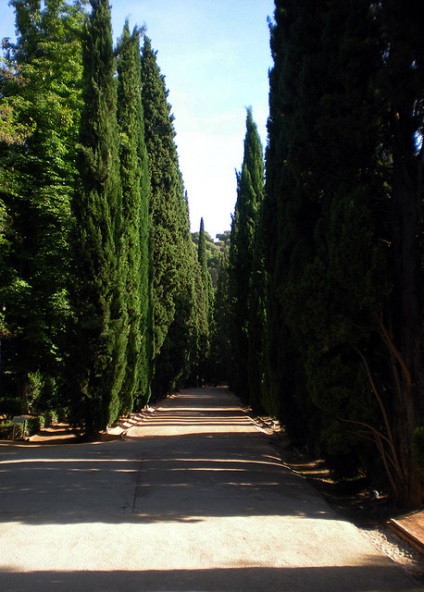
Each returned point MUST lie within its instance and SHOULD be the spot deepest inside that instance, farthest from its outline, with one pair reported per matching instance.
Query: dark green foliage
(171, 252)
(100, 328)
(136, 193)
(344, 333)
(213, 251)
(41, 100)
(242, 256)
(216, 314)
(221, 351)
(166, 190)
(257, 322)
(328, 254)
(204, 309)
(178, 355)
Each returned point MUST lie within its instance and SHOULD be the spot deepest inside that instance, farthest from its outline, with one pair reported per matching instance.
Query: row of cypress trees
(317, 315)
(327, 274)
(101, 293)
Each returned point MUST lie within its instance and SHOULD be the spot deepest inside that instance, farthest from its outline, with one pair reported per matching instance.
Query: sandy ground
(195, 498)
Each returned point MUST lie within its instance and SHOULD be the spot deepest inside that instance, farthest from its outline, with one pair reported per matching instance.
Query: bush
(6, 429)
(32, 426)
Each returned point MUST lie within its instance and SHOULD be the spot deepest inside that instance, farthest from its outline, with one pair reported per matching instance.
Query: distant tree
(177, 357)
(213, 254)
(221, 327)
(136, 193)
(100, 330)
(205, 307)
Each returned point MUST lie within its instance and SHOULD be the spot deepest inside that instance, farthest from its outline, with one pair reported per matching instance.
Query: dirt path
(195, 499)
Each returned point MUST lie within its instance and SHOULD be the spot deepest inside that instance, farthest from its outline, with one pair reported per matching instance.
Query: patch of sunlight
(210, 469)
(172, 410)
(238, 461)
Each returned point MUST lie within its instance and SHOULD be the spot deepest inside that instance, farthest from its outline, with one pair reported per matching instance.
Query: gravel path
(194, 499)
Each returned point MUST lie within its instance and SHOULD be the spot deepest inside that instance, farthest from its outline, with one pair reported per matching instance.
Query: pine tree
(136, 191)
(242, 253)
(100, 328)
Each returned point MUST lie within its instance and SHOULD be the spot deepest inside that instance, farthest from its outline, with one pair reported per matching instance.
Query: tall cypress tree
(165, 183)
(172, 255)
(99, 332)
(136, 191)
(402, 328)
(338, 229)
(284, 390)
(318, 53)
(242, 251)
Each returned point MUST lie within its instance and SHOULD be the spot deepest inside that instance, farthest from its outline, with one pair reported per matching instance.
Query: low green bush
(32, 426)
(6, 430)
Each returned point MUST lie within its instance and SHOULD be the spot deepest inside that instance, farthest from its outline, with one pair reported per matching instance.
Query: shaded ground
(397, 534)
(354, 498)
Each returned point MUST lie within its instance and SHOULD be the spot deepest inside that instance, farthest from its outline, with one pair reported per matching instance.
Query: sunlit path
(196, 499)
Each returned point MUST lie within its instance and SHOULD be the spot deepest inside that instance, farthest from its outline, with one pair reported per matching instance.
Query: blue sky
(215, 56)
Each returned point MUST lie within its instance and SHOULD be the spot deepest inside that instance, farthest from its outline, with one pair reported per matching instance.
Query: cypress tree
(337, 234)
(242, 252)
(159, 135)
(284, 390)
(99, 332)
(221, 350)
(257, 320)
(178, 354)
(136, 191)
(309, 109)
(171, 249)
(204, 307)
(402, 328)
